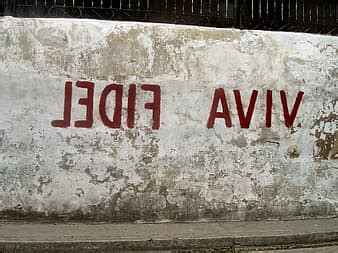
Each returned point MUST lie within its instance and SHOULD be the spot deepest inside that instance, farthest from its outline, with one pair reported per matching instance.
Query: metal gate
(315, 16)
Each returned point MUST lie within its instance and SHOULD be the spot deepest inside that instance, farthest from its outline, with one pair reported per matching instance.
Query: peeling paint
(183, 171)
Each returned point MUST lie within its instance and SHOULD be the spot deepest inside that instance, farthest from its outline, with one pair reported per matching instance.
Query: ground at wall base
(320, 235)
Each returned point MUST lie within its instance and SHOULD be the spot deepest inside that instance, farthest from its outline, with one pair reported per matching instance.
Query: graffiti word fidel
(219, 98)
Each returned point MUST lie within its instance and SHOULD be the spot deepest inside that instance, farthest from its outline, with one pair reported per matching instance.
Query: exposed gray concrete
(182, 236)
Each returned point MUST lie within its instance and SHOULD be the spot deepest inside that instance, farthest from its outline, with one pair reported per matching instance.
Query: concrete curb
(227, 236)
(230, 244)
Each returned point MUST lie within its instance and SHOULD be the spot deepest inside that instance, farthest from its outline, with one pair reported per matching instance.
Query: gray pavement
(229, 236)
(332, 249)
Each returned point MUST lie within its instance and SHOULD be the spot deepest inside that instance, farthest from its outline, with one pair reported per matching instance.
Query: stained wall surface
(185, 169)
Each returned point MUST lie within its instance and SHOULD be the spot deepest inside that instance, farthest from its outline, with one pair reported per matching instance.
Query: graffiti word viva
(219, 101)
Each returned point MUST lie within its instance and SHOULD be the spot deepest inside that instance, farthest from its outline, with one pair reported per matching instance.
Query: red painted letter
(245, 120)
(156, 105)
(88, 102)
(290, 118)
(131, 106)
(268, 113)
(65, 122)
(219, 95)
(116, 123)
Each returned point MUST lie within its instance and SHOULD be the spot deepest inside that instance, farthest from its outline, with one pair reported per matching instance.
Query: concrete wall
(183, 170)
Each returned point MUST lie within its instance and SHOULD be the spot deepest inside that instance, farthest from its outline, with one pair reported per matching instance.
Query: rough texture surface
(183, 171)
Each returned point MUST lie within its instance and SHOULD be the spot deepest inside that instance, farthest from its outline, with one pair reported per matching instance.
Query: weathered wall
(183, 170)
